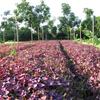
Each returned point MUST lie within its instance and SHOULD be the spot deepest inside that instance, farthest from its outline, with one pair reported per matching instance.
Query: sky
(77, 6)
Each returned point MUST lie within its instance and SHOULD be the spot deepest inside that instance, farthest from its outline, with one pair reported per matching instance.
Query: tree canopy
(35, 22)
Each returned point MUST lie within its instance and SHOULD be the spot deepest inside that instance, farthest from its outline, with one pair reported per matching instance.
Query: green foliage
(92, 41)
(88, 12)
(43, 12)
(96, 41)
(1, 37)
(61, 36)
(23, 10)
(50, 36)
(87, 33)
(24, 34)
(67, 21)
(97, 26)
(1, 40)
(66, 9)
(37, 17)
(13, 52)
(54, 31)
(8, 30)
(87, 24)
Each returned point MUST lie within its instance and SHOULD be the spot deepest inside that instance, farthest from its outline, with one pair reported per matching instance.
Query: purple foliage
(86, 59)
(40, 70)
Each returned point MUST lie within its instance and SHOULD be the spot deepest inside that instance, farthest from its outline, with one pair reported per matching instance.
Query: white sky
(77, 6)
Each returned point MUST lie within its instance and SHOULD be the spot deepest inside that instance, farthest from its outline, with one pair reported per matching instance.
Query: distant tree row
(35, 23)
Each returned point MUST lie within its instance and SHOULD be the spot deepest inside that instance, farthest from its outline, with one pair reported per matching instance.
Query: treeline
(35, 23)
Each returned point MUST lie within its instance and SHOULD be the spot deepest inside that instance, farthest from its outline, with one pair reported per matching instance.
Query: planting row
(39, 72)
(86, 60)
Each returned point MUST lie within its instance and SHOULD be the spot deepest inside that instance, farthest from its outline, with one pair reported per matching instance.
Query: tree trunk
(31, 33)
(14, 35)
(80, 33)
(93, 29)
(46, 36)
(74, 34)
(38, 34)
(3, 37)
(69, 34)
(17, 33)
(42, 34)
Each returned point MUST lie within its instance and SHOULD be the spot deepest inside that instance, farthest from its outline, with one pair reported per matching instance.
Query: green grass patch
(95, 42)
(13, 52)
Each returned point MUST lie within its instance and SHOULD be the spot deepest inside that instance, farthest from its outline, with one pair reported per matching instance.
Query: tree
(43, 15)
(50, 25)
(88, 12)
(66, 9)
(16, 24)
(97, 26)
(4, 23)
(10, 30)
(87, 23)
(12, 23)
(52, 28)
(26, 14)
(54, 31)
(67, 21)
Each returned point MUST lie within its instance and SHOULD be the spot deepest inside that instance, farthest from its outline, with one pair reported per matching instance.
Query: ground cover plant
(87, 61)
(34, 72)
(50, 70)
(95, 42)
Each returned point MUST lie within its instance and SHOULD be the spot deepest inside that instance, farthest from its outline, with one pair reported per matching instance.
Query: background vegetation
(35, 23)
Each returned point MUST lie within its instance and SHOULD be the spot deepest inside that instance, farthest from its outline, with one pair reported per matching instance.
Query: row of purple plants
(86, 60)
